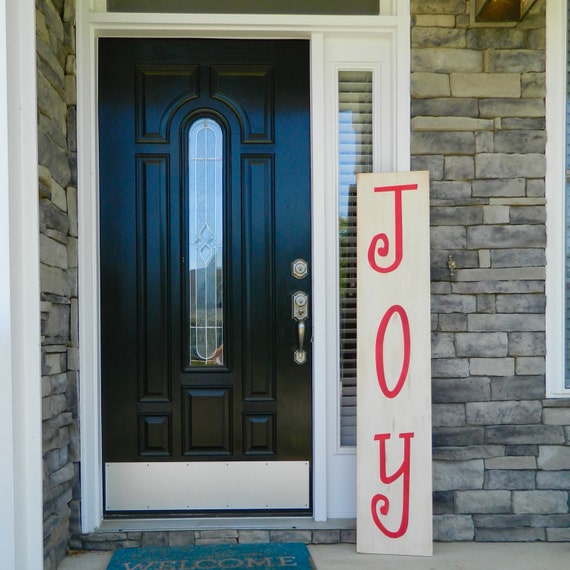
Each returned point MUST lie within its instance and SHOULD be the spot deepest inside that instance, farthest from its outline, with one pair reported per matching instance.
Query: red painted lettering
(403, 471)
(380, 372)
(380, 244)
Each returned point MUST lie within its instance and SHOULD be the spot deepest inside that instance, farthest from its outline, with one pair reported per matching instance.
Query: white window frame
(329, 472)
(370, 53)
(556, 74)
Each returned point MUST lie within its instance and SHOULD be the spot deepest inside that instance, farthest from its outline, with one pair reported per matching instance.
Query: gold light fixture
(501, 10)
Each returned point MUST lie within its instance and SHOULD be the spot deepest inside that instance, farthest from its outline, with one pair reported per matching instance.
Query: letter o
(234, 563)
(380, 373)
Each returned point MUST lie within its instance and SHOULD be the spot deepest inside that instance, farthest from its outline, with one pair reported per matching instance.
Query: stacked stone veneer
(501, 450)
(114, 540)
(58, 255)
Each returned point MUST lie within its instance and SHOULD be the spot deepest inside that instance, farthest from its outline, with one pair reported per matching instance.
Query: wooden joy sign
(394, 498)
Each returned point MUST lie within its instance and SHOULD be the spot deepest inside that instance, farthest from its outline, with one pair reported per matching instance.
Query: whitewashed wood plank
(394, 490)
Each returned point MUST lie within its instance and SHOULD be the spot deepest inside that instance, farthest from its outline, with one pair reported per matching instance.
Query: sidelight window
(205, 242)
(354, 156)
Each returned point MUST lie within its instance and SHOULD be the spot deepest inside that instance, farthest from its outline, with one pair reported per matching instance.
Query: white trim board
(320, 31)
(556, 77)
(21, 513)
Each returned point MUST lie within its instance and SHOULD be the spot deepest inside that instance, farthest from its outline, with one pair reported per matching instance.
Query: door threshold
(216, 523)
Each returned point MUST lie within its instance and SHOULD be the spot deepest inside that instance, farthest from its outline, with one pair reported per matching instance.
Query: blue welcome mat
(215, 556)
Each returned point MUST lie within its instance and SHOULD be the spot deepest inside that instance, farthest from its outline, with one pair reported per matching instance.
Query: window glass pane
(355, 155)
(205, 242)
(354, 7)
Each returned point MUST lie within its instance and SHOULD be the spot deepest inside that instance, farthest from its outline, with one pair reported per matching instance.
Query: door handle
(300, 313)
(300, 354)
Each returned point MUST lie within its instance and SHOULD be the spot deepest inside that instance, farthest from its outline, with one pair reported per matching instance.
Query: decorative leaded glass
(205, 239)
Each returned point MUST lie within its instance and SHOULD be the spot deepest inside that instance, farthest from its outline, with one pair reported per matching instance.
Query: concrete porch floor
(447, 556)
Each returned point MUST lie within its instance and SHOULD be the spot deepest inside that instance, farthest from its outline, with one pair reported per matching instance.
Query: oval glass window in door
(205, 239)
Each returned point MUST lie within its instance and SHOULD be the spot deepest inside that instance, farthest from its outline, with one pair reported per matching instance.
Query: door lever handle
(301, 335)
(300, 314)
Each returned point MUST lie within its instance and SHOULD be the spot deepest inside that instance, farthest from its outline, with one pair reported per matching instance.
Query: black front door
(204, 228)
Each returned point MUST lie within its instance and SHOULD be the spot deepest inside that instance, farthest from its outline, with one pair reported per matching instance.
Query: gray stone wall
(308, 535)
(501, 450)
(55, 25)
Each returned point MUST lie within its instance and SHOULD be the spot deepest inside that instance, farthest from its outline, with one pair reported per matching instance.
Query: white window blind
(354, 156)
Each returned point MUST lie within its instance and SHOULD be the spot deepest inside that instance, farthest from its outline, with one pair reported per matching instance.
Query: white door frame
(95, 23)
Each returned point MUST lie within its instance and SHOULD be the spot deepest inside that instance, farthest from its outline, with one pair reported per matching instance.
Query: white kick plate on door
(236, 485)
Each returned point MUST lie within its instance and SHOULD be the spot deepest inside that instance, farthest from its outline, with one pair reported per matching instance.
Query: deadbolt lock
(299, 269)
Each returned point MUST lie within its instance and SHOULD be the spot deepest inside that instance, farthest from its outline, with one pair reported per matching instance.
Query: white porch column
(21, 537)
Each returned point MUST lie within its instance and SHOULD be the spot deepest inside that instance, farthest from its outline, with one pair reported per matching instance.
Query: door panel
(198, 339)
